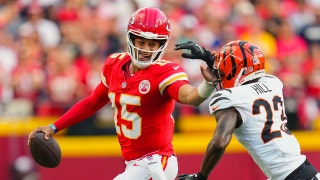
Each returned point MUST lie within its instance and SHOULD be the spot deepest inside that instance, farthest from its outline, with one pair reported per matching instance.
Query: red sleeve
(84, 108)
(173, 89)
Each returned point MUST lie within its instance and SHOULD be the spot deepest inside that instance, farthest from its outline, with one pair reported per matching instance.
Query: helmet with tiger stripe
(238, 62)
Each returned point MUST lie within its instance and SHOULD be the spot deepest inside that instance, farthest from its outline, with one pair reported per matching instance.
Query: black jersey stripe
(219, 99)
(219, 94)
(216, 95)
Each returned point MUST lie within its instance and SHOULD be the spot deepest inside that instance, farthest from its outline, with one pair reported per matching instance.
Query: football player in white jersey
(249, 103)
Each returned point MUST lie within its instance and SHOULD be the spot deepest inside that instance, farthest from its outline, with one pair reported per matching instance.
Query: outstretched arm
(84, 108)
(196, 96)
(226, 123)
(189, 94)
(78, 112)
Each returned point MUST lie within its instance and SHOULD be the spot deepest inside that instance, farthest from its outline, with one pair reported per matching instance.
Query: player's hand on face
(196, 52)
(45, 129)
(208, 74)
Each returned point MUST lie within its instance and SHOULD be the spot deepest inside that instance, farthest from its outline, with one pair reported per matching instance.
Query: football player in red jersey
(250, 105)
(142, 88)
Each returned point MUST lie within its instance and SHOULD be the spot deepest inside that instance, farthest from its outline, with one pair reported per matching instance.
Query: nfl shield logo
(124, 84)
(149, 158)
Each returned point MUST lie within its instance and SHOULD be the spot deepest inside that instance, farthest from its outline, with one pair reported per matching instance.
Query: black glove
(197, 52)
(197, 176)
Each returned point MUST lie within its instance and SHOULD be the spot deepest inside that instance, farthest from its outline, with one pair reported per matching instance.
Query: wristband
(204, 89)
(54, 128)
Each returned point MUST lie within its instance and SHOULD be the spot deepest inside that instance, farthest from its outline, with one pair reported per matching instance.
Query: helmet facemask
(135, 51)
(152, 24)
(219, 75)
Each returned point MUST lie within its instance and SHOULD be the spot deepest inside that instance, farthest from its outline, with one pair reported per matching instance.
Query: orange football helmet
(238, 62)
(149, 23)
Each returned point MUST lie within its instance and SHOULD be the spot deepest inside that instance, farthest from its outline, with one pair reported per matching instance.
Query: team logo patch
(144, 87)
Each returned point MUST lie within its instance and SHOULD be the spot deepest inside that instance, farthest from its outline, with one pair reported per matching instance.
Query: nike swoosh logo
(214, 108)
(176, 67)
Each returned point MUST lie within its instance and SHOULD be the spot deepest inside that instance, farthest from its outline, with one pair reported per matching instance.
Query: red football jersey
(143, 109)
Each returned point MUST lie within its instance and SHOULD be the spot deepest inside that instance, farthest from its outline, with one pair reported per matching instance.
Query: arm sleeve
(173, 89)
(84, 108)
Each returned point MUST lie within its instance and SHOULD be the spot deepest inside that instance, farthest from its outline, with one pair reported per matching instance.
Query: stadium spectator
(47, 30)
(8, 62)
(60, 69)
(292, 55)
(311, 108)
(28, 77)
(256, 34)
(310, 31)
(302, 16)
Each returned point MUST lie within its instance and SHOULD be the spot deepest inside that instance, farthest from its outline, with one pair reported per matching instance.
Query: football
(46, 153)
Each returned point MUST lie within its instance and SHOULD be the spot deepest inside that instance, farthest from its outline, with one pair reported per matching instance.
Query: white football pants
(155, 167)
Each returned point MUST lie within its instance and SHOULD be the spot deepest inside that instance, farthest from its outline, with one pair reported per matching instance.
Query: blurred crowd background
(52, 51)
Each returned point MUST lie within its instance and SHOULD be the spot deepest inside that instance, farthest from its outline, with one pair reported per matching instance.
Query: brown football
(46, 153)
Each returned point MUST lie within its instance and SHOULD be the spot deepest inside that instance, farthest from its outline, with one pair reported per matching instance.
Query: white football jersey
(263, 132)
